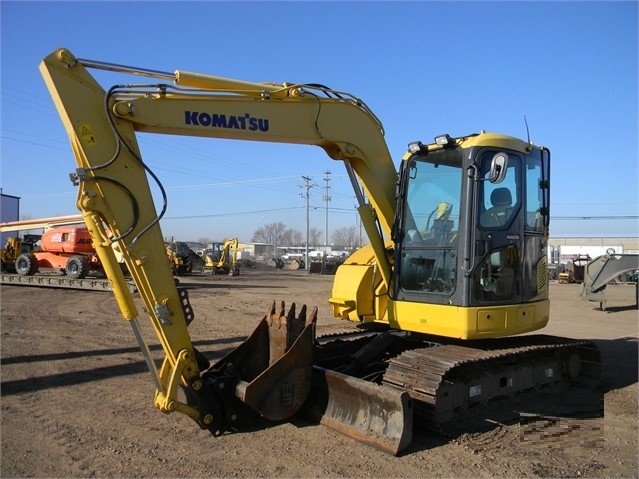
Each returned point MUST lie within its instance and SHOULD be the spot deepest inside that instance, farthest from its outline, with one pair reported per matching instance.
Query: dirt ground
(77, 398)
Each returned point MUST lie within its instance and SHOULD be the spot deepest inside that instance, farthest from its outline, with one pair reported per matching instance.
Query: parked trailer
(59, 281)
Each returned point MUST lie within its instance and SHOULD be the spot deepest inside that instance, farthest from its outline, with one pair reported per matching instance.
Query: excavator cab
(456, 248)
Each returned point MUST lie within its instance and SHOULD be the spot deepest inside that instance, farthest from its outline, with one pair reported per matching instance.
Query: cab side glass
(498, 199)
(534, 194)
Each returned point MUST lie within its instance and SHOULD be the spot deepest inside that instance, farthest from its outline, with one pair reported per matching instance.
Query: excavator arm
(114, 195)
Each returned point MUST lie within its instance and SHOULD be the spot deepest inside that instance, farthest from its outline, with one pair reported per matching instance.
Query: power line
(217, 215)
(580, 218)
(349, 210)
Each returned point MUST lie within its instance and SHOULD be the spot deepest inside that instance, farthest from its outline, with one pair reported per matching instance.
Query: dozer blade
(273, 365)
(370, 413)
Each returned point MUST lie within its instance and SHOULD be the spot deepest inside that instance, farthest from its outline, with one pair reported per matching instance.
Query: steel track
(447, 381)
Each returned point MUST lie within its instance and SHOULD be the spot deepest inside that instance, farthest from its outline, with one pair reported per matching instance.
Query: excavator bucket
(315, 267)
(274, 364)
(370, 413)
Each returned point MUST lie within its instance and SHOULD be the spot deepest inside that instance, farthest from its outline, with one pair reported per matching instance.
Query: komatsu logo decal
(244, 122)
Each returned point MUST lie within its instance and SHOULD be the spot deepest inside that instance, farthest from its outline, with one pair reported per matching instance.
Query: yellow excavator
(222, 257)
(454, 273)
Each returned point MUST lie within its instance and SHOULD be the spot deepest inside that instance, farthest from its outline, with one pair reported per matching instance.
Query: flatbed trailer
(59, 281)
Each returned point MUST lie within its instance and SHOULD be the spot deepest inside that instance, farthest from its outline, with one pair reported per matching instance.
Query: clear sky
(425, 68)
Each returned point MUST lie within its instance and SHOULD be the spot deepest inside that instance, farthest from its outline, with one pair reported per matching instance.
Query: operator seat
(499, 214)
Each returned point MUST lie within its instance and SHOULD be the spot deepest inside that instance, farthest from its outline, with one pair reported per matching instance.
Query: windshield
(431, 209)
(181, 249)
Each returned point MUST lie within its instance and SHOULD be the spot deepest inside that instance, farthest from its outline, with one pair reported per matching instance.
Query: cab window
(498, 201)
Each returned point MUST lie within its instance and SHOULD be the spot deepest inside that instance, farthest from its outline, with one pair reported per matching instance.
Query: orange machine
(65, 248)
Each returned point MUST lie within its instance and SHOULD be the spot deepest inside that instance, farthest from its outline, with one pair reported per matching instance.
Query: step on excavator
(454, 274)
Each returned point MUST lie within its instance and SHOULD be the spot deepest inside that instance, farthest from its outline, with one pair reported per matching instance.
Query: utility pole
(306, 194)
(326, 199)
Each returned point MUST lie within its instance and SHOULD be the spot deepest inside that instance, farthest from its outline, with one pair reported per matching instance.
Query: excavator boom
(114, 194)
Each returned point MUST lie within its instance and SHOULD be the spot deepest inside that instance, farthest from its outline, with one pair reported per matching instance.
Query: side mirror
(498, 167)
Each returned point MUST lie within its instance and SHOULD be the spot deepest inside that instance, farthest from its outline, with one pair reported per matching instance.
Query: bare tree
(297, 238)
(276, 234)
(286, 238)
(269, 233)
(347, 236)
(314, 236)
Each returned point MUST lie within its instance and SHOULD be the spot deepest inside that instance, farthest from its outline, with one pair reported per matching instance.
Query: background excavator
(222, 257)
(454, 273)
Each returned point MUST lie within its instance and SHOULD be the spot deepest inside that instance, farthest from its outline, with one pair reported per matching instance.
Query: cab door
(511, 231)
(499, 242)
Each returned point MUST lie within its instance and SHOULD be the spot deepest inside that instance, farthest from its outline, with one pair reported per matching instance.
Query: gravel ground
(77, 399)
